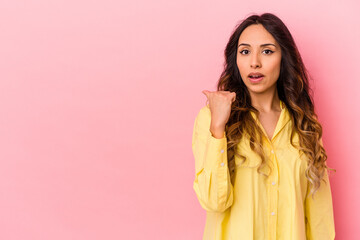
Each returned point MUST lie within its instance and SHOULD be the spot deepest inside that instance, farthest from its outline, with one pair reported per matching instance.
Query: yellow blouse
(253, 207)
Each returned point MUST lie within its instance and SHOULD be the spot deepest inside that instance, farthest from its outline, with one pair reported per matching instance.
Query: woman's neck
(266, 102)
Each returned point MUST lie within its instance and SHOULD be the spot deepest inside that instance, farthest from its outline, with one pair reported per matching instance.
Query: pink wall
(98, 100)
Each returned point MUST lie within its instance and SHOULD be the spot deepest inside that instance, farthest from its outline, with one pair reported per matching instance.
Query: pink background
(98, 101)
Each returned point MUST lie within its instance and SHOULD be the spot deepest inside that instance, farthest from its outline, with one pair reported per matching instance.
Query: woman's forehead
(256, 35)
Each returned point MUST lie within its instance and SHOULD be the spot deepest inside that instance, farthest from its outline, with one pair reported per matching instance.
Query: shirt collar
(283, 120)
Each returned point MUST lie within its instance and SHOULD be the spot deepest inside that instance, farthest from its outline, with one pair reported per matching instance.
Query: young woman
(260, 164)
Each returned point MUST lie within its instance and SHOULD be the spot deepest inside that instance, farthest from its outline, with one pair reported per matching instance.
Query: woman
(260, 163)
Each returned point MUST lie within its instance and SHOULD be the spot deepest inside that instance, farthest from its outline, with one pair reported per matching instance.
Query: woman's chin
(258, 88)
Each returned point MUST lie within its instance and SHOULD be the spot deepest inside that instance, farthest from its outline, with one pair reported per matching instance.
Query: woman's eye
(269, 51)
(243, 51)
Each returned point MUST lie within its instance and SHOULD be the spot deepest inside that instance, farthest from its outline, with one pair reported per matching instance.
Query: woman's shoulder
(204, 112)
(204, 115)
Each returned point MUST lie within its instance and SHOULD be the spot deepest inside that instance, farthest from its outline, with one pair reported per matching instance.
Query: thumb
(205, 92)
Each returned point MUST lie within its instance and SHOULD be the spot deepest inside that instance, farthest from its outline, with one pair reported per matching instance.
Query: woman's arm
(319, 212)
(212, 182)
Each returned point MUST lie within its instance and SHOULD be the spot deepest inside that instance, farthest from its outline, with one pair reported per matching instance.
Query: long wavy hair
(293, 89)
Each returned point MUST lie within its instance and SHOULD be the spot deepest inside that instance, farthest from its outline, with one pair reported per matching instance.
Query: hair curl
(293, 89)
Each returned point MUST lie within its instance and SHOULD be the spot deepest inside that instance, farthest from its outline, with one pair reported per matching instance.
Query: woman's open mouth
(256, 77)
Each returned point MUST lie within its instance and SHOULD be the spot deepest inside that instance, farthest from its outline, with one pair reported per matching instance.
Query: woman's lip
(255, 74)
(256, 80)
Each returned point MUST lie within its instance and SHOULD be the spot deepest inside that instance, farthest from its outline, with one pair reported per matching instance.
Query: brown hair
(293, 89)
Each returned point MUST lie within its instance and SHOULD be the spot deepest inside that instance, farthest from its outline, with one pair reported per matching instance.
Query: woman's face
(258, 52)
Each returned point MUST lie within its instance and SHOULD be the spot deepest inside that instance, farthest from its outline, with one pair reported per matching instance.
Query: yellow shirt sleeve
(319, 212)
(212, 183)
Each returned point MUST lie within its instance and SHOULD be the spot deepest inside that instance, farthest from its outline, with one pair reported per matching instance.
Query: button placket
(273, 196)
(222, 151)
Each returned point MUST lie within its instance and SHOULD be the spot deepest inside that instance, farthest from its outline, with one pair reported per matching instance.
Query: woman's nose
(255, 61)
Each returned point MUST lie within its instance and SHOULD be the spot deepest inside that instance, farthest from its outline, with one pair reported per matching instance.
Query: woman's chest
(277, 152)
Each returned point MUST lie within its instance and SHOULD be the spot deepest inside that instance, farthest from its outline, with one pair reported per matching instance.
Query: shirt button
(222, 150)
(273, 183)
(273, 213)
(222, 164)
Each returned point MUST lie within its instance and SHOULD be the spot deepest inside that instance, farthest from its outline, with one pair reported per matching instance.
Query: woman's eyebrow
(262, 45)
